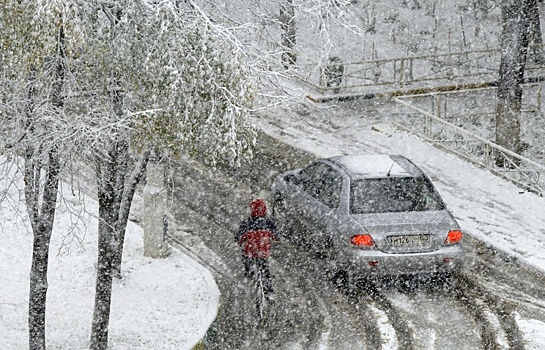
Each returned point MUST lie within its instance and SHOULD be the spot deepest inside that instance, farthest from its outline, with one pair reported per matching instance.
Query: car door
(328, 221)
(303, 201)
(319, 211)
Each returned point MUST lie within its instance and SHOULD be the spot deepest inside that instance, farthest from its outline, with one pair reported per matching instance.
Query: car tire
(445, 280)
(345, 281)
(340, 279)
(326, 249)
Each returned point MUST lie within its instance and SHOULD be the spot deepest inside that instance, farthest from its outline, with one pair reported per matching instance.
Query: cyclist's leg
(267, 280)
(247, 261)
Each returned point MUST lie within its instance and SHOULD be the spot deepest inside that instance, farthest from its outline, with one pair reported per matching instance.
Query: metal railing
(471, 67)
(522, 171)
(474, 108)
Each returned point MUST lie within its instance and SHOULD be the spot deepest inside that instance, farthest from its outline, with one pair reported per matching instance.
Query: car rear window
(393, 194)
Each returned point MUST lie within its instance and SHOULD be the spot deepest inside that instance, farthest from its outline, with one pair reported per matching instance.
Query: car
(369, 215)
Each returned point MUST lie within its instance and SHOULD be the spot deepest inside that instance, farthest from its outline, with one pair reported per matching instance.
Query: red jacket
(256, 232)
(256, 243)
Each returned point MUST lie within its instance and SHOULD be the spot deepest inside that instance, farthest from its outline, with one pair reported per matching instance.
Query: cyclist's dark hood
(259, 208)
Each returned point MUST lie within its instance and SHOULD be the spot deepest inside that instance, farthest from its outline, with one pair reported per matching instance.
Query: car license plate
(409, 241)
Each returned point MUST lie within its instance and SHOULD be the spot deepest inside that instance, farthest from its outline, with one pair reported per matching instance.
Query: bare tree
(41, 200)
(535, 37)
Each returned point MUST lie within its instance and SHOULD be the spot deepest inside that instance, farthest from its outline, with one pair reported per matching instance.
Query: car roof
(380, 165)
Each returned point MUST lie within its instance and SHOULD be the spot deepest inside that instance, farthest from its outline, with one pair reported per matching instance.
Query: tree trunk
(128, 194)
(121, 161)
(114, 199)
(287, 27)
(36, 195)
(514, 47)
(42, 226)
(108, 201)
(38, 291)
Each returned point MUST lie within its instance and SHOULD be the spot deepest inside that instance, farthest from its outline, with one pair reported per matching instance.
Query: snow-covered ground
(158, 304)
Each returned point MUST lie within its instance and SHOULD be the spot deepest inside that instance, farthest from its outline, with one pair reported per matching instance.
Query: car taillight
(454, 236)
(363, 240)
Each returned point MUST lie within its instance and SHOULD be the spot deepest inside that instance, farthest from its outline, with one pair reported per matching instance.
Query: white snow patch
(387, 332)
(533, 332)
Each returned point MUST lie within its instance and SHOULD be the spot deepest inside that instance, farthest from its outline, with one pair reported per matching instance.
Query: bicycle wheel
(260, 297)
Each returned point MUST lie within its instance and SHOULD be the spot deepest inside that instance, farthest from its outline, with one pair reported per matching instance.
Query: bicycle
(260, 290)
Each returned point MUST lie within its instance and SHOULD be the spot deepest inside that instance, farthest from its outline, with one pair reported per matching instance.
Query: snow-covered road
(311, 312)
(503, 223)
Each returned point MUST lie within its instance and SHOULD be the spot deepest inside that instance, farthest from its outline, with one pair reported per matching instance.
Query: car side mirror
(291, 178)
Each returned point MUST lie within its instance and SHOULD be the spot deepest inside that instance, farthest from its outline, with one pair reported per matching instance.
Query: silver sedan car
(370, 215)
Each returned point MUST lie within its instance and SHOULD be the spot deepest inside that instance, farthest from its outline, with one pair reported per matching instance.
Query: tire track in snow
(404, 335)
(347, 328)
(499, 329)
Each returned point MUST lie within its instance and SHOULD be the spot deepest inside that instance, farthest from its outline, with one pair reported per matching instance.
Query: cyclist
(254, 236)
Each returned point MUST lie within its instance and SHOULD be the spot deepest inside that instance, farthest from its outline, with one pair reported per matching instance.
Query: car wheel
(340, 279)
(345, 281)
(325, 249)
(444, 280)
